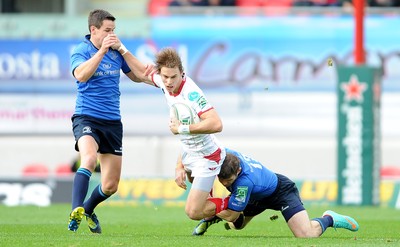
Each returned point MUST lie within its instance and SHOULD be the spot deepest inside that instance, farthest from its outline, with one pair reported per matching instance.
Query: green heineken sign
(359, 90)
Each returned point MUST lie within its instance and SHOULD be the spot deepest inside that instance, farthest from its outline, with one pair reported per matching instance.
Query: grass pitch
(169, 226)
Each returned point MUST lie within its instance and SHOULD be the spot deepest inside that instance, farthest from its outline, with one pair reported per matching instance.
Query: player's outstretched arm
(139, 71)
(146, 78)
(229, 215)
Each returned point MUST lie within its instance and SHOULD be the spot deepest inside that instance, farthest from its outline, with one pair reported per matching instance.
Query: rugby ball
(184, 113)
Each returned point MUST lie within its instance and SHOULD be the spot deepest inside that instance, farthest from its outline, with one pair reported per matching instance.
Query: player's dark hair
(97, 16)
(229, 167)
(168, 57)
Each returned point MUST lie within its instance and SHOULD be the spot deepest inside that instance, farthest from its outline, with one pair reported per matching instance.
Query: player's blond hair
(169, 58)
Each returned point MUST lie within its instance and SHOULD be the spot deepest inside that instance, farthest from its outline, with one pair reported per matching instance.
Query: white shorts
(207, 166)
(203, 183)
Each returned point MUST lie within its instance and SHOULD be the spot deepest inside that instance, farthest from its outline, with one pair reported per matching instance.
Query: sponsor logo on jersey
(202, 102)
(114, 55)
(87, 129)
(106, 65)
(241, 193)
(192, 96)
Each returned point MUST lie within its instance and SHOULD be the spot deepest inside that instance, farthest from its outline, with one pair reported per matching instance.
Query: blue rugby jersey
(254, 182)
(100, 96)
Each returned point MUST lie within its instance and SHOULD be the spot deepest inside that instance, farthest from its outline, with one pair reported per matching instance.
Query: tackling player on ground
(254, 189)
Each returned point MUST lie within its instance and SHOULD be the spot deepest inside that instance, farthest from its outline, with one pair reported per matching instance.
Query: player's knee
(304, 233)
(109, 192)
(193, 214)
(89, 162)
(300, 235)
(109, 188)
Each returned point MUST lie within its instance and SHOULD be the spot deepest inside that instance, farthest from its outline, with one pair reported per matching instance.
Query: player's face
(98, 34)
(228, 181)
(172, 78)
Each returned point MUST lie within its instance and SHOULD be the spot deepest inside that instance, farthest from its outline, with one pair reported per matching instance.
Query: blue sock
(325, 222)
(95, 199)
(80, 187)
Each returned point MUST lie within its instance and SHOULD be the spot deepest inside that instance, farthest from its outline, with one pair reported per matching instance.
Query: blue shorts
(285, 198)
(107, 133)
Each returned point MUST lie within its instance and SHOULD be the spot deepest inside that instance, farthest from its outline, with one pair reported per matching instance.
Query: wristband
(183, 129)
(123, 48)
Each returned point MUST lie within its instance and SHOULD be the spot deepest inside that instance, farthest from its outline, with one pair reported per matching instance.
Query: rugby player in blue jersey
(96, 64)
(254, 188)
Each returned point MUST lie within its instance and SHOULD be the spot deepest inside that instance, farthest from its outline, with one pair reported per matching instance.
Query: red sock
(225, 202)
(220, 204)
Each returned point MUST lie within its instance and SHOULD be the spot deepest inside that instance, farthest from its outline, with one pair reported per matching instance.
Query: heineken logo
(352, 143)
(354, 89)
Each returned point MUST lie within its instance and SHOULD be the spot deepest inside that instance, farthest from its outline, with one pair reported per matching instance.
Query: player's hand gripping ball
(184, 113)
